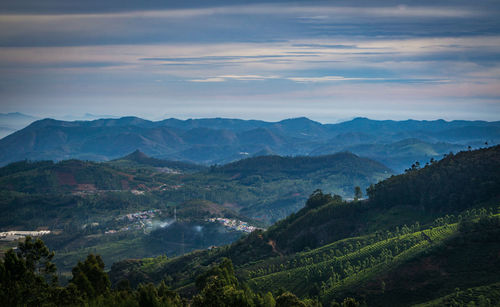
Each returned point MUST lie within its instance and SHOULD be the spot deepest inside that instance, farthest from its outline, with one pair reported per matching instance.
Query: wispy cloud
(316, 12)
(326, 79)
(235, 77)
(212, 79)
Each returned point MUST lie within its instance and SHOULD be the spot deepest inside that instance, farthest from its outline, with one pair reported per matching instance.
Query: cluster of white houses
(234, 224)
(20, 234)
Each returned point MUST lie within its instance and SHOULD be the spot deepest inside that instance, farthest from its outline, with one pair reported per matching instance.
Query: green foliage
(24, 277)
(38, 258)
(151, 296)
(219, 287)
(318, 199)
(27, 275)
(288, 299)
(223, 273)
(89, 277)
(350, 302)
(268, 300)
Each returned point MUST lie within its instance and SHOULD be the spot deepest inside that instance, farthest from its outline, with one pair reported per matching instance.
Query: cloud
(235, 77)
(204, 22)
(340, 78)
(314, 10)
(320, 79)
(213, 79)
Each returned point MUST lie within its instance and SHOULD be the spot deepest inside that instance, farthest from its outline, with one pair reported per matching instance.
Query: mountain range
(210, 141)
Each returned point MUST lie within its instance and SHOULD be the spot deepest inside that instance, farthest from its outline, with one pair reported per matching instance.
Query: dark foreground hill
(423, 236)
(396, 144)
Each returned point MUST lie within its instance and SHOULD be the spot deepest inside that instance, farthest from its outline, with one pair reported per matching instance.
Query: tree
(168, 297)
(289, 299)
(27, 274)
(318, 199)
(350, 302)
(38, 259)
(89, 277)
(219, 287)
(269, 300)
(357, 193)
(148, 296)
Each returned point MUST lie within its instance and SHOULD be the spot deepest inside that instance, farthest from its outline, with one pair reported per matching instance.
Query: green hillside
(84, 203)
(65, 176)
(387, 248)
(383, 270)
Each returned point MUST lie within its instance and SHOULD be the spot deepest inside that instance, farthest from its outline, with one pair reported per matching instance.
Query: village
(14, 235)
(233, 224)
(139, 220)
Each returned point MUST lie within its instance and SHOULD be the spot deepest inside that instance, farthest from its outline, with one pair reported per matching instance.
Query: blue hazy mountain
(397, 144)
(11, 122)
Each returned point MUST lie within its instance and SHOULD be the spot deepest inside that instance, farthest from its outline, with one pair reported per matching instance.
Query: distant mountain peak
(301, 119)
(16, 115)
(361, 118)
(136, 155)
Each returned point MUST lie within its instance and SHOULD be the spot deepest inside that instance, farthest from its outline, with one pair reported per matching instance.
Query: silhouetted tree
(357, 193)
(26, 275)
(318, 199)
(89, 277)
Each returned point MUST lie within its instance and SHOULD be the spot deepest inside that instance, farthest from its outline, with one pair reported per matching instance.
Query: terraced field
(344, 263)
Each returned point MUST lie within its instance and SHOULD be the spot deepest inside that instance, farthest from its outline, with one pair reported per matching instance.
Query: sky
(327, 60)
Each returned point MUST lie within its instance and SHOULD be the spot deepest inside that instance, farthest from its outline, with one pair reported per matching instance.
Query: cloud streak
(235, 77)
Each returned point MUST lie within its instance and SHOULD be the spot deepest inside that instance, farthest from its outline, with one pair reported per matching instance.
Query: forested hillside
(386, 250)
(127, 207)
(455, 183)
(389, 248)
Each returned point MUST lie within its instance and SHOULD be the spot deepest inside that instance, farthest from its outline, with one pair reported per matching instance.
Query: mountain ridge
(219, 140)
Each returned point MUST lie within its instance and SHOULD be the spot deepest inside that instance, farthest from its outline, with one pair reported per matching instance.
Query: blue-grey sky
(327, 60)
